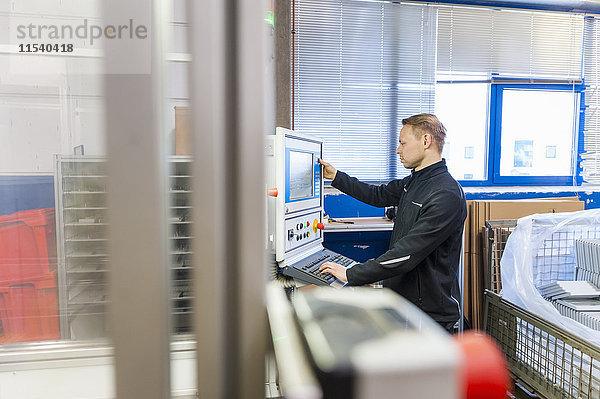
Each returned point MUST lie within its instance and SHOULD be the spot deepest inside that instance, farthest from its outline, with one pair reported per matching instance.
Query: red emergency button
(272, 192)
(320, 226)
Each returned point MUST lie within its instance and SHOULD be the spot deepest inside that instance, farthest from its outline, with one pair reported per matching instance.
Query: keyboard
(307, 269)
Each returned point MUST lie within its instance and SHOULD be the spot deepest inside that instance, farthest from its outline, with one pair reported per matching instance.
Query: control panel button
(317, 225)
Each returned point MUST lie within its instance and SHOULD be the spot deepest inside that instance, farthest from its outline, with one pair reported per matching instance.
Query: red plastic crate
(27, 246)
(29, 311)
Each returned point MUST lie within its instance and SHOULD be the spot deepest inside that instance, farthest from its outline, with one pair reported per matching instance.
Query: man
(422, 261)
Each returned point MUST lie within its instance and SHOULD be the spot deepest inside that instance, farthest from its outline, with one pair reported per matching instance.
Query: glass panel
(55, 250)
(462, 108)
(537, 132)
(183, 346)
(53, 244)
(180, 167)
(53, 198)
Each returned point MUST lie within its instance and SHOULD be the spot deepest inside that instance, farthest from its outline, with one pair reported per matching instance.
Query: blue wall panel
(344, 206)
(360, 246)
(22, 193)
(591, 199)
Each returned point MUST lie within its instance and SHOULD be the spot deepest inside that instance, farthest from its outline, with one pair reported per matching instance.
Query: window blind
(590, 163)
(360, 67)
(509, 43)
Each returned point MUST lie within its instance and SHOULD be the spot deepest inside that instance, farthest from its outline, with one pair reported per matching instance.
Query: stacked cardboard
(478, 213)
(182, 131)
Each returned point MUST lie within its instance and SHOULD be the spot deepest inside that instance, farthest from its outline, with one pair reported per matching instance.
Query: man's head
(421, 141)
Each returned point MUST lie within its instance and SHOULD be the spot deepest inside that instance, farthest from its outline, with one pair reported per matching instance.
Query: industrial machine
(295, 208)
(366, 343)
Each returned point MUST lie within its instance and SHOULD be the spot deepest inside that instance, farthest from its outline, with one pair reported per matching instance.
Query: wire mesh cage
(556, 256)
(495, 233)
(548, 359)
(545, 358)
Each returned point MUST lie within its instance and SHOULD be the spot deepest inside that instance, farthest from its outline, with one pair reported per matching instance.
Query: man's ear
(427, 140)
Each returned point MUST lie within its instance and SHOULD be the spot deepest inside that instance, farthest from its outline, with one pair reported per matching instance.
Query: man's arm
(440, 217)
(380, 196)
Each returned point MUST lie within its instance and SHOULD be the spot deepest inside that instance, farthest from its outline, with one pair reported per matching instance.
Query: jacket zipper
(419, 288)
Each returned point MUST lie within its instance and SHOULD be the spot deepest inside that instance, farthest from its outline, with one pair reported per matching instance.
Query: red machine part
(484, 370)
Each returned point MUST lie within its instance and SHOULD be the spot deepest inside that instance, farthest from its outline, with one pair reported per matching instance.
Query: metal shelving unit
(80, 194)
(180, 253)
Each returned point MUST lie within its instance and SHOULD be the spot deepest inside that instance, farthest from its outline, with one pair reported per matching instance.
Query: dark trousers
(452, 327)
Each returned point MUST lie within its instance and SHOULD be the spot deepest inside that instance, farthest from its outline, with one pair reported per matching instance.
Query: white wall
(83, 373)
(50, 104)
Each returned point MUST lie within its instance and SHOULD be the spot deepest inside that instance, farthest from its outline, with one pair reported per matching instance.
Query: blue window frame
(499, 92)
(520, 152)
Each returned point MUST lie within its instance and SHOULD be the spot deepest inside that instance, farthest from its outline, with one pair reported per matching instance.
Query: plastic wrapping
(541, 250)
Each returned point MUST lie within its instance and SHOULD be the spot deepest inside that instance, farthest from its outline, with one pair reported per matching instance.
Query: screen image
(301, 175)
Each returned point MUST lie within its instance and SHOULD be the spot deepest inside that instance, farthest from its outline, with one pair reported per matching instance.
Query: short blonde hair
(428, 123)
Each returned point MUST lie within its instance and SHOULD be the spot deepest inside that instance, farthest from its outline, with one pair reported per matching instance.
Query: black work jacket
(422, 261)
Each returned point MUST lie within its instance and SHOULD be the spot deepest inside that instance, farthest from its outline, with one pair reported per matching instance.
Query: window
(360, 68)
(534, 127)
(463, 109)
(589, 146)
(530, 139)
(522, 132)
(507, 84)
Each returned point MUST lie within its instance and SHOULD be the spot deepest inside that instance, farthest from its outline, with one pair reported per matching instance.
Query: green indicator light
(270, 18)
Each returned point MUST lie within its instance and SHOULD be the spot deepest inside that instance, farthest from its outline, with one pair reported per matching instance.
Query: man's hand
(337, 270)
(329, 171)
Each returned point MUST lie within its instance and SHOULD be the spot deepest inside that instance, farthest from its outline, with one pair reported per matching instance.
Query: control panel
(303, 229)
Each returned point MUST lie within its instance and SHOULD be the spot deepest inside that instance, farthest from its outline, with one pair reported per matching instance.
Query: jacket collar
(430, 171)
(426, 173)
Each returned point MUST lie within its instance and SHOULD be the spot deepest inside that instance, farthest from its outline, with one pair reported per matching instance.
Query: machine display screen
(301, 175)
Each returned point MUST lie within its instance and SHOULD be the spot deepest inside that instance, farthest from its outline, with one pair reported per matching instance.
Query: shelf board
(84, 176)
(85, 208)
(84, 255)
(86, 239)
(81, 271)
(84, 192)
(91, 302)
(85, 224)
(181, 267)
